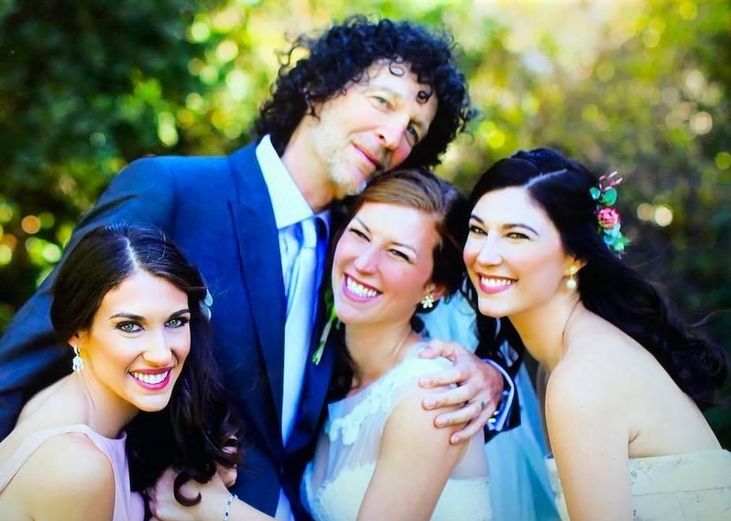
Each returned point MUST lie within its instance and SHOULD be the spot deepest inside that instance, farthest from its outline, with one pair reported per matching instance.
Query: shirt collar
(289, 204)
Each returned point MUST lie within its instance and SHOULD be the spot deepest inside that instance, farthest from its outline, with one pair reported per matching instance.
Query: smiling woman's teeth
(151, 379)
(495, 283)
(359, 289)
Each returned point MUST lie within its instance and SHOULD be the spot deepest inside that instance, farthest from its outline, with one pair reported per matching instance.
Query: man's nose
(391, 133)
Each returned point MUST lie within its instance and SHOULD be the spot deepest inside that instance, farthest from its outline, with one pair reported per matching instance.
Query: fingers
(449, 376)
(455, 396)
(472, 415)
(468, 431)
(435, 348)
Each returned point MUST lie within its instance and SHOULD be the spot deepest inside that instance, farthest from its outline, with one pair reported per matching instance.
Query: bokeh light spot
(663, 215)
(30, 224)
(723, 160)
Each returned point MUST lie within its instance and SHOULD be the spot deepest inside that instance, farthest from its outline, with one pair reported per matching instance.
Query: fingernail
(429, 403)
(424, 382)
(441, 423)
(454, 440)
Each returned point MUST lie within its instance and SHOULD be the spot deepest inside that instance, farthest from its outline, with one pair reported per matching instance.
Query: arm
(479, 391)
(30, 355)
(414, 463)
(212, 506)
(589, 438)
(70, 475)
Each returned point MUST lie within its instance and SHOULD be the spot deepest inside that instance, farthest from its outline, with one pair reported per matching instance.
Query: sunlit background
(637, 86)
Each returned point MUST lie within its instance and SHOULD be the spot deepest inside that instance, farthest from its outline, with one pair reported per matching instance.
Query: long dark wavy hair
(196, 430)
(342, 54)
(606, 285)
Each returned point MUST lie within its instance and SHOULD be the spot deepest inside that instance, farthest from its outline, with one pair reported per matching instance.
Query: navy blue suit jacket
(217, 209)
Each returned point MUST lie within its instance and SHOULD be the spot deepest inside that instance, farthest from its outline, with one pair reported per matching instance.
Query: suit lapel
(258, 246)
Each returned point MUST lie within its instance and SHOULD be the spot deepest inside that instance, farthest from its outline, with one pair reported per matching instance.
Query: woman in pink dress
(135, 314)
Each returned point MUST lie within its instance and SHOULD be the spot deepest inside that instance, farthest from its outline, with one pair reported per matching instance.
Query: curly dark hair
(607, 286)
(343, 53)
(196, 430)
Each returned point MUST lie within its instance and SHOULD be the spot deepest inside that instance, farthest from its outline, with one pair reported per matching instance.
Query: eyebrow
(132, 316)
(396, 243)
(508, 225)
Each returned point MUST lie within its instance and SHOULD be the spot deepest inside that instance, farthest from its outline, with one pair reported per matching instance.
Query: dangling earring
(77, 364)
(571, 282)
(428, 301)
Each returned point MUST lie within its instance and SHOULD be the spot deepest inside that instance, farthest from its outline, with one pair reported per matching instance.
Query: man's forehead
(391, 74)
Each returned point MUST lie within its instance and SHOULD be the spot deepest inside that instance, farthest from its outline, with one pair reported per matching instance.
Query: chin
(153, 405)
(491, 311)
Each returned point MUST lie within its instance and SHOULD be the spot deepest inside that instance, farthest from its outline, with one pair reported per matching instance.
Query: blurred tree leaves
(638, 86)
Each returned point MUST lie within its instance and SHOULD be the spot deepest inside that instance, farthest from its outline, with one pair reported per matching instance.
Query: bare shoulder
(76, 477)
(597, 375)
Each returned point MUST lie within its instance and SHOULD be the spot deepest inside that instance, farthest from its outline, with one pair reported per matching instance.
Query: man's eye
(411, 129)
(129, 327)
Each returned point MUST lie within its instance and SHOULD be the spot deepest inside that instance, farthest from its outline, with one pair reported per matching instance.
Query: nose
(391, 133)
(489, 252)
(159, 349)
(367, 260)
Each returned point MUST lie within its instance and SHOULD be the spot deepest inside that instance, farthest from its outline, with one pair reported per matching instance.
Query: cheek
(342, 253)
(469, 254)
(408, 281)
(184, 349)
(543, 268)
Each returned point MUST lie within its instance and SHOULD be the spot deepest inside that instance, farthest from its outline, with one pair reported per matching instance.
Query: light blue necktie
(301, 305)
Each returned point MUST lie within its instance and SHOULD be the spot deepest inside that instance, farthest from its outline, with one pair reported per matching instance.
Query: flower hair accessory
(608, 221)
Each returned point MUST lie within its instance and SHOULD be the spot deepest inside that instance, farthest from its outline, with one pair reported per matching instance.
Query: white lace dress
(335, 482)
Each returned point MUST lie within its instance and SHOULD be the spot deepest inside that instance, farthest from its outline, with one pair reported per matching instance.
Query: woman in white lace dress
(380, 455)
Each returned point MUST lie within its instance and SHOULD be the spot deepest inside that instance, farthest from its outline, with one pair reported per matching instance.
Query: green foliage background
(638, 86)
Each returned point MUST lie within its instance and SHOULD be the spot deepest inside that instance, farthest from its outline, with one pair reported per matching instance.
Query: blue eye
(129, 327)
(413, 132)
(177, 322)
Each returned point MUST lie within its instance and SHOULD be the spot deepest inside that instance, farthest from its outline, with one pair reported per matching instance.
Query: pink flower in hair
(608, 218)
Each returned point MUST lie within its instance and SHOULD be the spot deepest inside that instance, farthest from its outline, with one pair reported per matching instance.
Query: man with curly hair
(368, 96)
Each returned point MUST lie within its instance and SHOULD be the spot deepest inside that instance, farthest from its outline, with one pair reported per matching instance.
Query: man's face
(370, 128)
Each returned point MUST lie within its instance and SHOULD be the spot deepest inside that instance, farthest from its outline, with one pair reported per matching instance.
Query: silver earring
(571, 282)
(428, 301)
(77, 364)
